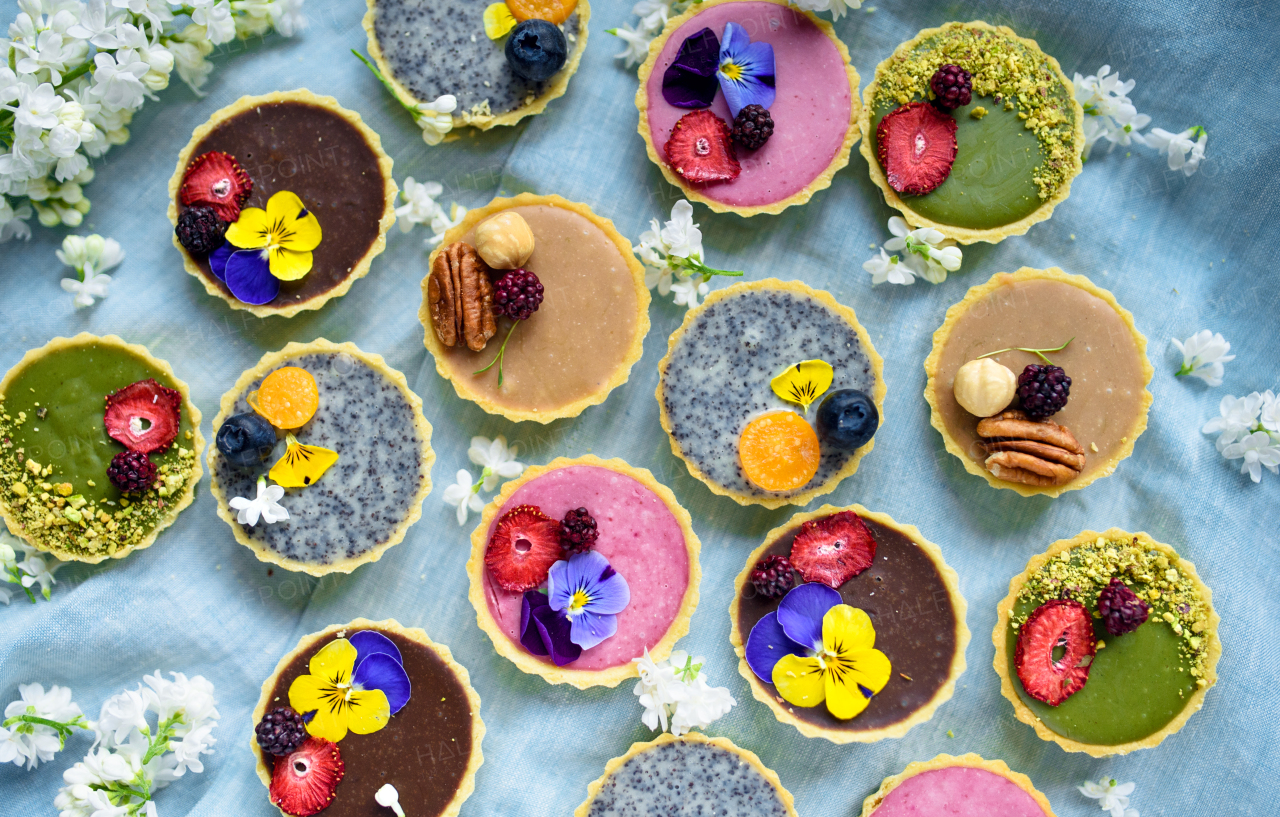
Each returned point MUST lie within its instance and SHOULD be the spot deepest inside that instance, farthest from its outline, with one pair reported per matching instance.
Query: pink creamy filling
(958, 791)
(638, 535)
(810, 114)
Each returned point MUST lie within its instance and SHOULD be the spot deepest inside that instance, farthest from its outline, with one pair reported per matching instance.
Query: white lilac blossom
(1109, 113)
(72, 75)
(838, 8)
(1203, 355)
(1238, 416)
(35, 568)
(1177, 146)
(675, 695)
(1257, 449)
(464, 494)
(442, 223)
(1111, 795)
(435, 118)
(672, 255)
(496, 458)
(653, 16)
(420, 204)
(90, 256)
(1269, 415)
(1248, 429)
(37, 725)
(265, 505)
(926, 253)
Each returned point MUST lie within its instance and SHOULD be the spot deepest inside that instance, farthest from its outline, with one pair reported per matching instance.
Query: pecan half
(460, 296)
(1030, 452)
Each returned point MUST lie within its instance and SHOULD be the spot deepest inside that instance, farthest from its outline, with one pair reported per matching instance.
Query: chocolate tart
(1007, 175)
(54, 490)
(1032, 308)
(309, 145)
(366, 502)
(630, 507)
(914, 601)
(723, 778)
(1143, 685)
(964, 786)
(581, 343)
(715, 378)
(429, 750)
(815, 113)
(428, 48)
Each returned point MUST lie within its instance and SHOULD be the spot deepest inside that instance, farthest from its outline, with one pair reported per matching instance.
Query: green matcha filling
(54, 453)
(1140, 681)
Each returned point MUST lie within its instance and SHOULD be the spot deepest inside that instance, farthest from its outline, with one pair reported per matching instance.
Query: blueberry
(847, 419)
(246, 439)
(536, 50)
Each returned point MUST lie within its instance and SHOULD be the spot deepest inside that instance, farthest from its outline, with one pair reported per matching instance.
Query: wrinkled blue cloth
(1182, 253)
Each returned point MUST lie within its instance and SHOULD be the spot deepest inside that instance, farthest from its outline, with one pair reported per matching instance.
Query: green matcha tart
(1107, 643)
(991, 156)
(98, 443)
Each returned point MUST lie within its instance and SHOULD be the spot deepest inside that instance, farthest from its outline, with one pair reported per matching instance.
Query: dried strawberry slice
(218, 180)
(700, 149)
(1057, 624)
(834, 549)
(144, 416)
(524, 545)
(916, 147)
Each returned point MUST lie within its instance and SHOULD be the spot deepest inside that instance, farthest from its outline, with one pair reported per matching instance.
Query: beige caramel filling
(581, 334)
(1103, 362)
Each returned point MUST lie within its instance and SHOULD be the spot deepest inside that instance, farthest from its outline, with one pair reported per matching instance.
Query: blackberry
(281, 731)
(1122, 611)
(518, 294)
(131, 472)
(1043, 390)
(773, 577)
(578, 532)
(200, 231)
(752, 127)
(952, 87)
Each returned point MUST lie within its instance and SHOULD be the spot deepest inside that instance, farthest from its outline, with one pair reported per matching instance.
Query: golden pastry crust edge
(944, 761)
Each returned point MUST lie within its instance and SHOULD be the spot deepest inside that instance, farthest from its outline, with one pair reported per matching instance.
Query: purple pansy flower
(590, 593)
(690, 82)
(247, 273)
(544, 631)
(746, 71)
(379, 666)
(795, 628)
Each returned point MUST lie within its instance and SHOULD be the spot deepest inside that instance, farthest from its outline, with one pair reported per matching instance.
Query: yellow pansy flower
(845, 673)
(339, 705)
(804, 382)
(286, 230)
(498, 21)
(301, 464)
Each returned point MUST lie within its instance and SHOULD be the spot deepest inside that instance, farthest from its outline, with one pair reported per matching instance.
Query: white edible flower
(1257, 449)
(464, 495)
(420, 204)
(37, 106)
(39, 569)
(13, 221)
(659, 277)
(1178, 145)
(388, 797)
(1203, 355)
(675, 695)
(266, 505)
(681, 236)
(1111, 795)
(658, 690)
(1109, 112)
(672, 255)
(25, 742)
(287, 17)
(93, 286)
(687, 291)
(217, 20)
(496, 458)
(1269, 416)
(121, 714)
(703, 706)
(637, 43)
(436, 118)
(926, 253)
(1237, 417)
(118, 78)
(838, 8)
(89, 256)
(885, 268)
(441, 223)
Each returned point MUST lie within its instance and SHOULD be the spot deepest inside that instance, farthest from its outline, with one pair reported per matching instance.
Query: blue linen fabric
(1182, 253)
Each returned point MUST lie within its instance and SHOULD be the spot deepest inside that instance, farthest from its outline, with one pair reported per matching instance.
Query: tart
(366, 430)
(814, 114)
(1147, 641)
(964, 786)
(430, 48)
(1105, 358)
(721, 391)
(642, 532)
(428, 748)
(277, 144)
(586, 334)
(709, 772)
(61, 445)
(989, 168)
(913, 602)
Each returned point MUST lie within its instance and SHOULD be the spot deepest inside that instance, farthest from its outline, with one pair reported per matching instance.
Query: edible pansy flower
(267, 246)
(354, 685)
(591, 594)
(746, 71)
(814, 648)
(690, 81)
(498, 21)
(544, 631)
(301, 464)
(804, 382)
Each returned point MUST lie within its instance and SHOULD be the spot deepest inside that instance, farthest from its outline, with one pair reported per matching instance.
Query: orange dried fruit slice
(553, 11)
(779, 451)
(287, 397)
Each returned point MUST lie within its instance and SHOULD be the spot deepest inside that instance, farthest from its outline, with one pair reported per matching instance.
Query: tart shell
(525, 661)
(970, 760)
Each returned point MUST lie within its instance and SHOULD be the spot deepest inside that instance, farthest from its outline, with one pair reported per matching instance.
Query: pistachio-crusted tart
(1037, 381)
(281, 201)
(771, 392)
(964, 786)
(534, 308)
(367, 713)
(500, 61)
(1107, 643)
(973, 131)
(712, 776)
(99, 447)
(321, 458)
(748, 106)
(579, 566)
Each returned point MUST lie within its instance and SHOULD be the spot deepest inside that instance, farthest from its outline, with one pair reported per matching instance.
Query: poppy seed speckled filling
(367, 493)
(436, 47)
(718, 376)
(681, 778)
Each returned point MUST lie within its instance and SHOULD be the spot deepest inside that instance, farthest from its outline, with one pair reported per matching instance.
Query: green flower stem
(386, 83)
(1037, 352)
(15, 577)
(160, 743)
(498, 359)
(694, 264)
(1184, 369)
(64, 730)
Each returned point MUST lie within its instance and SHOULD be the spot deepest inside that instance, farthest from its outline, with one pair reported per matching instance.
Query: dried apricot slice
(779, 451)
(287, 397)
(553, 11)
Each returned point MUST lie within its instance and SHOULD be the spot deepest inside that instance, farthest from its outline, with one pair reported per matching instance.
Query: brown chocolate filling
(326, 161)
(915, 623)
(425, 749)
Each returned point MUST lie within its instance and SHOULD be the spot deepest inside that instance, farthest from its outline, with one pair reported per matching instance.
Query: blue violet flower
(591, 594)
(544, 631)
(379, 666)
(690, 82)
(246, 273)
(746, 70)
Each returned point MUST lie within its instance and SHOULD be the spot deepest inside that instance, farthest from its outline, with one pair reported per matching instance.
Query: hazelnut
(504, 241)
(984, 387)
